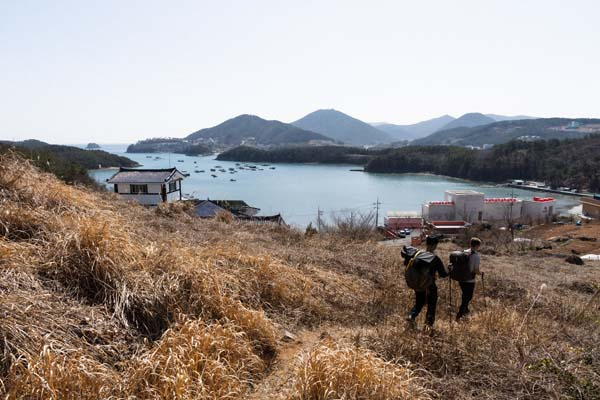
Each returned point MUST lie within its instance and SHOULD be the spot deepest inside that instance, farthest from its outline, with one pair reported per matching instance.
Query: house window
(172, 186)
(139, 189)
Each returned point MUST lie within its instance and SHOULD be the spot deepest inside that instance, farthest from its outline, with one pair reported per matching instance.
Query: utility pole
(319, 213)
(377, 204)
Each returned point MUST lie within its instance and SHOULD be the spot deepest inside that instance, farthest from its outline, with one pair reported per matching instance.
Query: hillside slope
(415, 131)
(468, 120)
(342, 127)
(170, 306)
(245, 127)
(504, 131)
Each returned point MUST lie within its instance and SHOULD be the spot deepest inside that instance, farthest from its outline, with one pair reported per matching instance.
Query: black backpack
(461, 270)
(418, 268)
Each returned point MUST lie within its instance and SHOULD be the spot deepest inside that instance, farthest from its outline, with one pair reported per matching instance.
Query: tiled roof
(207, 208)
(133, 175)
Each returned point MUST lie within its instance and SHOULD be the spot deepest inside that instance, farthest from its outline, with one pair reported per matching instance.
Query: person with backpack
(420, 272)
(467, 283)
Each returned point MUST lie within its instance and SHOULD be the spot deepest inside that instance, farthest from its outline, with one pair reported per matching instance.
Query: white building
(471, 206)
(538, 209)
(148, 186)
(438, 211)
(507, 209)
(468, 205)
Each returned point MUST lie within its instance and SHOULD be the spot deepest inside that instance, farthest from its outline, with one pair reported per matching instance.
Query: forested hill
(300, 154)
(571, 162)
(505, 131)
(245, 128)
(69, 163)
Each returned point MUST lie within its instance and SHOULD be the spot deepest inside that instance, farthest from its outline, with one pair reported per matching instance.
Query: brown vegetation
(101, 298)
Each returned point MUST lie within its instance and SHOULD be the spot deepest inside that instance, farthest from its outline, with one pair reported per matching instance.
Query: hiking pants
(467, 289)
(428, 296)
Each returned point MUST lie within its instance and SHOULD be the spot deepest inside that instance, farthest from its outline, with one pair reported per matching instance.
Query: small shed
(590, 206)
(147, 186)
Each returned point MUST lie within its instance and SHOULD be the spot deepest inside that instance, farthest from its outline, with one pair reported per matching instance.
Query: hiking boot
(429, 320)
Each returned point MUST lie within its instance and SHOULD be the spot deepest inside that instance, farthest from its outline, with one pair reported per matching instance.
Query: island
(170, 145)
(93, 146)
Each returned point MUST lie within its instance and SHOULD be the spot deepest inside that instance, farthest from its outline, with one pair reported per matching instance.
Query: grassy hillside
(169, 306)
(250, 127)
(505, 131)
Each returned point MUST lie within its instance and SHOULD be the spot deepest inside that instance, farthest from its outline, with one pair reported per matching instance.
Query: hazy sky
(118, 71)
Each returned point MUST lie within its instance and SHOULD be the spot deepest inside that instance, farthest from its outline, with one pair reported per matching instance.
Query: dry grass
(333, 371)
(101, 299)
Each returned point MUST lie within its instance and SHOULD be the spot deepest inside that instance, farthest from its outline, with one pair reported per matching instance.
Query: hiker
(467, 285)
(428, 294)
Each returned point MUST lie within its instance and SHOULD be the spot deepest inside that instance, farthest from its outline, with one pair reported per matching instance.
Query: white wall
(174, 196)
(440, 212)
(534, 211)
(501, 211)
(467, 206)
(145, 199)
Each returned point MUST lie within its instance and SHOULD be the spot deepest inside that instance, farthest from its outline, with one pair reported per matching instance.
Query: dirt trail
(276, 384)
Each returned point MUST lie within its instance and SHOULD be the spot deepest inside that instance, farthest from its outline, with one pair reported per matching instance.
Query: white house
(148, 186)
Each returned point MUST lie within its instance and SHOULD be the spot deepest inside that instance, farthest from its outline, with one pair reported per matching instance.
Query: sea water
(298, 191)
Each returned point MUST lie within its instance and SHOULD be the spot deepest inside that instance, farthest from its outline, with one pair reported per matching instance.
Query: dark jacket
(437, 266)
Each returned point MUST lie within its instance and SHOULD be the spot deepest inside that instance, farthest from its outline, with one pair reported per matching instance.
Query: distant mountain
(342, 127)
(508, 118)
(414, 131)
(252, 129)
(505, 131)
(468, 120)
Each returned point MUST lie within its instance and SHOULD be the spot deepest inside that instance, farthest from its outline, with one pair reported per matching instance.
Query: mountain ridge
(236, 130)
(505, 131)
(342, 127)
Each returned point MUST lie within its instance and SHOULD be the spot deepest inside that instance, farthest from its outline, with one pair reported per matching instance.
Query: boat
(272, 168)
(232, 180)
(222, 170)
(212, 170)
(214, 176)
(148, 156)
(185, 174)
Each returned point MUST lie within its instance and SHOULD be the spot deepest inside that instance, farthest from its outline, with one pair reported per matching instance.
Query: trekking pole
(450, 294)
